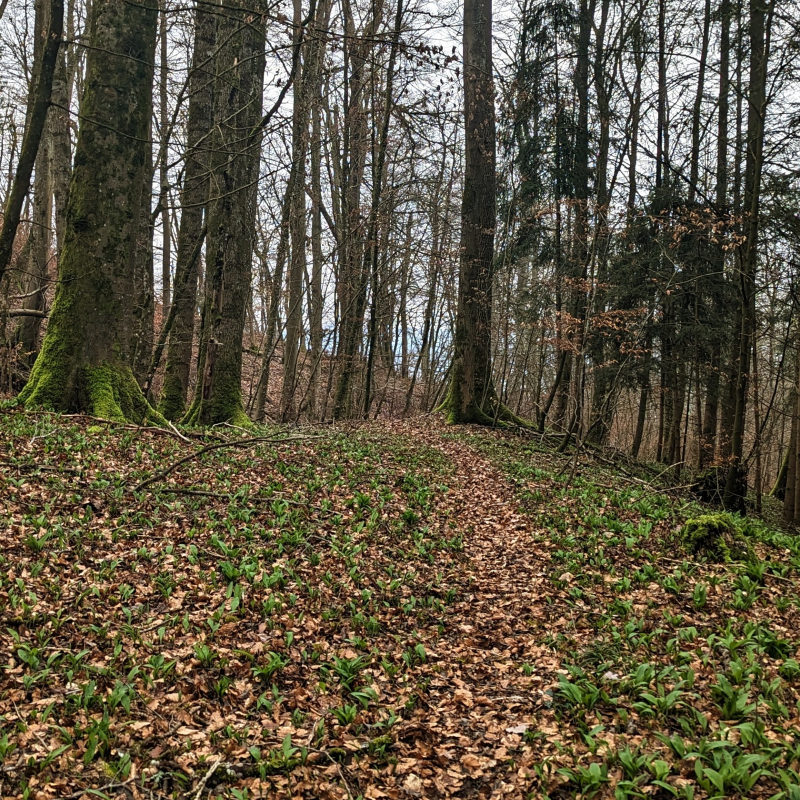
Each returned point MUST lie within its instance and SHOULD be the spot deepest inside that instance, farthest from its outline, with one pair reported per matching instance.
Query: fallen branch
(27, 312)
(202, 785)
(218, 446)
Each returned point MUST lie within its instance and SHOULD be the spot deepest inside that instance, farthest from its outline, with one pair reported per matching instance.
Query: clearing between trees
(387, 610)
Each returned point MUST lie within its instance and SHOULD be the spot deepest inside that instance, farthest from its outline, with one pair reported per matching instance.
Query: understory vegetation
(380, 610)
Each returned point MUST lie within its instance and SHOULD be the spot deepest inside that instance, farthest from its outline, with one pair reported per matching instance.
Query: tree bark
(471, 397)
(238, 90)
(760, 24)
(708, 441)
(305, 91)
(38, 103)
(194, 194)
(85, 362)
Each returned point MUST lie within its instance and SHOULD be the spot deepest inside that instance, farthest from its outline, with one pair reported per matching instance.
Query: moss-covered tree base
(203, 412)
(107, 391)
(493, 413)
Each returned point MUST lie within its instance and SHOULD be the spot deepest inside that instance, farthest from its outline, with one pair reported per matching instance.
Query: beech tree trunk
(236, 142)
(193, 201)
(85, 362)
(471, 396)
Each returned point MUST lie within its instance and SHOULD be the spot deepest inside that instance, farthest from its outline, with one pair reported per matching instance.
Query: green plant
(346, 714)
(589, 780)
(274, 663)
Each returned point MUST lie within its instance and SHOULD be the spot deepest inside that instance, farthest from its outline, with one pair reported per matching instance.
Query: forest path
(498, 625)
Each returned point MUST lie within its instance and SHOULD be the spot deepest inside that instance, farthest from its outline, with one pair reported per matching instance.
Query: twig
(202, 785)
(338, 767)
(250, 499)
(218, 446)
(112, 785)
(178, 433)
(142, 428)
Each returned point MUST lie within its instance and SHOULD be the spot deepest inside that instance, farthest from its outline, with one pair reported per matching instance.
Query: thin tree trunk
(760, 24)
(38, 103)
(166, 229)
(316, 255)
(194, 194)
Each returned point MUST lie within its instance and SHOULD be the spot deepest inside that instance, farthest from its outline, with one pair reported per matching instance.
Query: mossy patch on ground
(718, 536)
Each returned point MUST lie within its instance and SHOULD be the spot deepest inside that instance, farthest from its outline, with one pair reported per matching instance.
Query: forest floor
(389, 610)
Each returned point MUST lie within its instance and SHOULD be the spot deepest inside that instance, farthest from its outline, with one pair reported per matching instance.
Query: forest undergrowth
(398, 609)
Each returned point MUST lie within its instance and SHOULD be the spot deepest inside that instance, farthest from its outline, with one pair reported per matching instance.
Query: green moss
(172, 405)
(720, 537)
(494, 413)
(224, 405)
(107, 391)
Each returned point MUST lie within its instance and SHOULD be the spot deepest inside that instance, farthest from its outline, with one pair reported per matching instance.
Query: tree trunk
(377, 192)
(38, 103)
(708, 440)
(305, 91)
(144, 282)
(194, 193)
(352, 285)
(760, 24)
(85, 363)
(166, 227)
(35, 253)
(471, 397)
(236, 142)
(316, 256)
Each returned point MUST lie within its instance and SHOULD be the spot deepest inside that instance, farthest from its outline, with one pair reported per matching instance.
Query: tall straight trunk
(662, 130)
(373, 249)
(354, 264)
(305, 91)
(235, 161)
(405, 277)
(711, 412)
(599, 419)
(194, 193)
(144, 280)
(316, 255)
(297, 234)
(581, 246)
(60, 147)
(760, 24)
(728, 394)
(644, 398)
(471, 396)
(36, 117)
(273, 312)
(34, 255)
(694, 166)
(166, 222)
(85, 362)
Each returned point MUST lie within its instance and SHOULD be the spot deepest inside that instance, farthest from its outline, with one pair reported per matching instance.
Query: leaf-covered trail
(481, 703)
